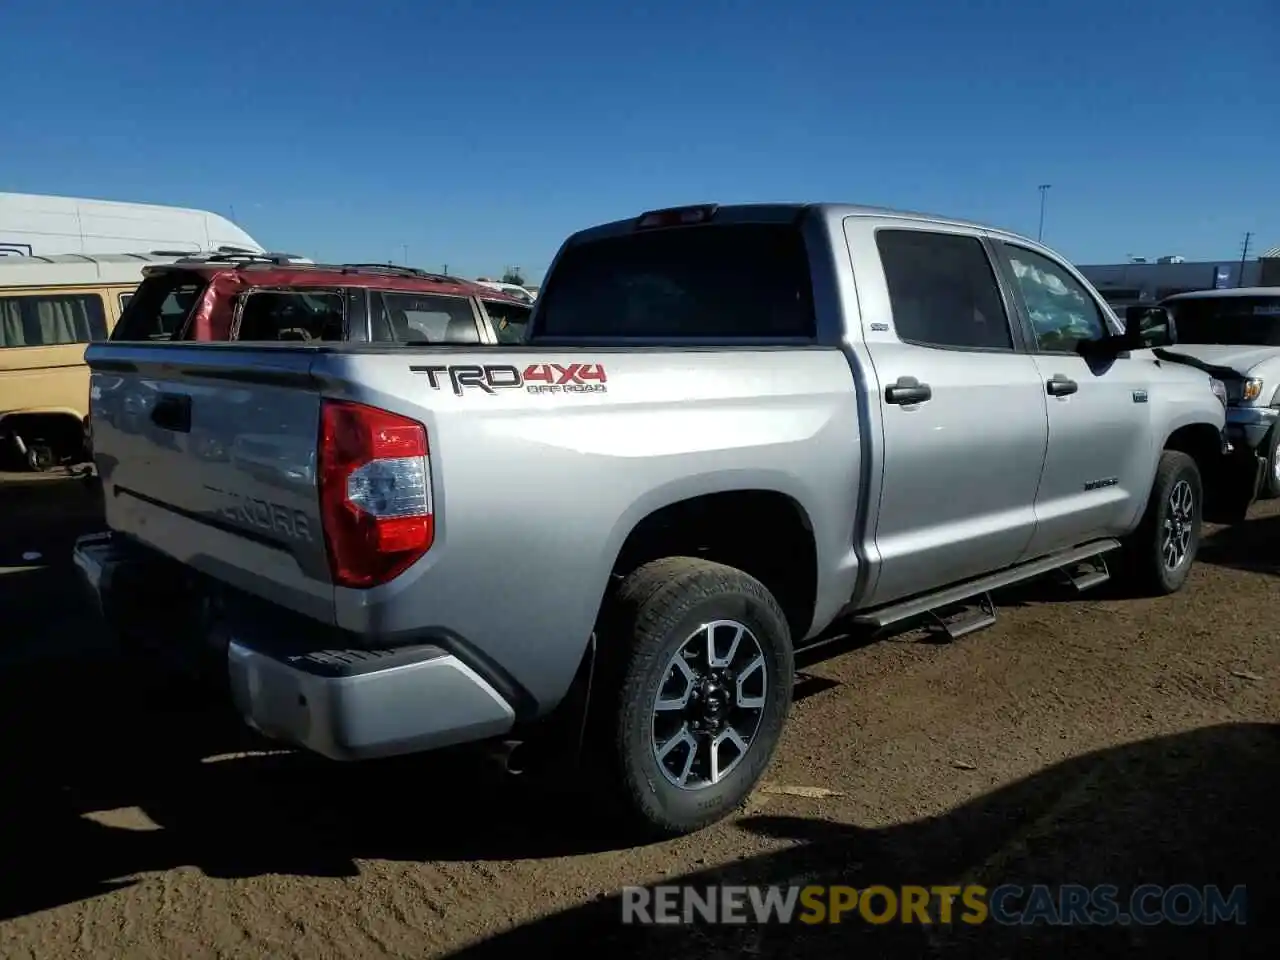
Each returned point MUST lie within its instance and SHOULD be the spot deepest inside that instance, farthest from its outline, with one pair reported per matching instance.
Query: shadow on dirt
(1191, 809)
(106, 776)
(1253, 546)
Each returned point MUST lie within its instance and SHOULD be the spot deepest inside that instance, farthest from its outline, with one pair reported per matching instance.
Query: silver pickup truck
(732, 431)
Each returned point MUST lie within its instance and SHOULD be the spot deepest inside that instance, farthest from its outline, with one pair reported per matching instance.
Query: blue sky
(479, 134)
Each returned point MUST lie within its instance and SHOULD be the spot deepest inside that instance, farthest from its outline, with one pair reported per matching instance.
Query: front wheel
(699, 693)
(1271, 479)
(1159, 554)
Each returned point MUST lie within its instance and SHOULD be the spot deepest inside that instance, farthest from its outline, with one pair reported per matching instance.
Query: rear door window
(423, 318)
(46, 320)
(306, 315)
(943, 290)
(160, 307)
(716, 281)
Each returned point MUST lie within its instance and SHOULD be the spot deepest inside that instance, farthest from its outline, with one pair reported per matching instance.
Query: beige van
(50, 307)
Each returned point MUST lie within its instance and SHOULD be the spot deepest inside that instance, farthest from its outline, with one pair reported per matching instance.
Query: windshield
(1244, 321)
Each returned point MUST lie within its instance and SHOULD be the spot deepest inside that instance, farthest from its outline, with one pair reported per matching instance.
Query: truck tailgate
(208, 454)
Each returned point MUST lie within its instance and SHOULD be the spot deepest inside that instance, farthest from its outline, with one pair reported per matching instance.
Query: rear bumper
(344, 704)
(353, 704)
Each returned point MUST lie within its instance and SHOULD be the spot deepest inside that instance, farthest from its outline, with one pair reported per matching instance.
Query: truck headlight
(1219, 390)
(1250, 390)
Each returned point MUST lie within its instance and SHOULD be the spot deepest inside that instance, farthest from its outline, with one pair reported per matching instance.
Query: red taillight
(375, 492)
(675, 217)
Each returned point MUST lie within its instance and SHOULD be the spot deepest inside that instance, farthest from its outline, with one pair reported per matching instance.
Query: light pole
(1044, 192)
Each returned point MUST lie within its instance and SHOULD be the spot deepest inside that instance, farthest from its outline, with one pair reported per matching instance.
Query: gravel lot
(1089, 741)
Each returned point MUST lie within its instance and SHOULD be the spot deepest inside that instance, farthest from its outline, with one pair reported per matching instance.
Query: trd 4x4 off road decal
(535, 378)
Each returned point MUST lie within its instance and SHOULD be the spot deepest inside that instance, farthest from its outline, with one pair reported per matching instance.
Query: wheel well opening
(1202, 443)
(760, 532)
(58, 429)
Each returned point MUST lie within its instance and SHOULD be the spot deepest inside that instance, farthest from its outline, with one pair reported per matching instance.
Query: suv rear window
(716, 281)
(159, 308)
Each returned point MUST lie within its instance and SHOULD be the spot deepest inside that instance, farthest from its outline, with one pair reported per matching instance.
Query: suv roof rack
(395, 270)
(236, 255)
(251, 260)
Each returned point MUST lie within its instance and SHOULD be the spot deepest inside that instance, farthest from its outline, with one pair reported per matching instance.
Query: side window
(943, 291)
(124, 301)
(424, 318)
(1062, 312)
(510, 320)
(50, 320)
(158, 309)
(292, 315)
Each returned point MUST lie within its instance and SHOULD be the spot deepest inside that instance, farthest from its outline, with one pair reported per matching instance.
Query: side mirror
(1146, 327)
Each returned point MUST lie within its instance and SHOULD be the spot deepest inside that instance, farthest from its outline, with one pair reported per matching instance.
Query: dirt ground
(1080, 740)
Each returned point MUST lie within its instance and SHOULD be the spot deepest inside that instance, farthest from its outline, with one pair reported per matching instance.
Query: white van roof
(70, 269)
(38, 225)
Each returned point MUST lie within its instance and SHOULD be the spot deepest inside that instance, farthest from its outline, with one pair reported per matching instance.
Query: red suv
(240, 296)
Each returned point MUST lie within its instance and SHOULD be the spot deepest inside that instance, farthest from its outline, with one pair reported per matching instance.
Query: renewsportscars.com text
(1007, 904)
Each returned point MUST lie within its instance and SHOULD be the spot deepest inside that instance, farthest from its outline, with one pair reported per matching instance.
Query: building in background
(1141, 281)
(1270, 269)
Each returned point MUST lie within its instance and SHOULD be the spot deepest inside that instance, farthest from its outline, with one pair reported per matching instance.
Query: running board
(967, 620)
(950, 596)
(1087, 575)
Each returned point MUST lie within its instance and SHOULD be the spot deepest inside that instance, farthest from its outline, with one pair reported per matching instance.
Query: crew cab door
(962, 409)
(1101, 456)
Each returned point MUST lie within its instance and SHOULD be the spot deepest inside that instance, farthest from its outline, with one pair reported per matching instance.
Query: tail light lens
(375, 492)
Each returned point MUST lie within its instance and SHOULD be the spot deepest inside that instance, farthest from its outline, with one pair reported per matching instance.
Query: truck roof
(47, 225)
(285, 270)
(787, 211)
(1231, 292)
(77, 268)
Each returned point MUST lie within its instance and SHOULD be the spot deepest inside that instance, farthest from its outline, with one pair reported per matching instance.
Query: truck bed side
(542, 463)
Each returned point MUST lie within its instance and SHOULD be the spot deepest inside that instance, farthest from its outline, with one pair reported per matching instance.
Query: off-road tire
(1271, 450)
(1143, 566)
(647, 620)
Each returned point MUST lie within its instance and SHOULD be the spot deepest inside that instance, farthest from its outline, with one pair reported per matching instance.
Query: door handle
(172, 412)
(907, 390)
(1060, 386)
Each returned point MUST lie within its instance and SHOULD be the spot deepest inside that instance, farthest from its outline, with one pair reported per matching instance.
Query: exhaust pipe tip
(510, 755)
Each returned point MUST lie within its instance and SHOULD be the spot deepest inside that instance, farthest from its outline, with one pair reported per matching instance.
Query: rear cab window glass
(292, 315)
(47, 320)
(160, 307)
(943, 291)
(510, 320)
(1251, 321)
(714, 281)
(423, 318)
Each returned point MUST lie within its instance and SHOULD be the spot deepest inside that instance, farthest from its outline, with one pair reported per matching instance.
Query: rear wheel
(1160, 553)
(40, 458)
(700, 687)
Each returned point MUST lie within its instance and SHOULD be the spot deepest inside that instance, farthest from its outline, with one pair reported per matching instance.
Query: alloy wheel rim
(708, 709)
(1178, 523)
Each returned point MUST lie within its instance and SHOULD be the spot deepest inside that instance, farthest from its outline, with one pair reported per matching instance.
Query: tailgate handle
(172, 412)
